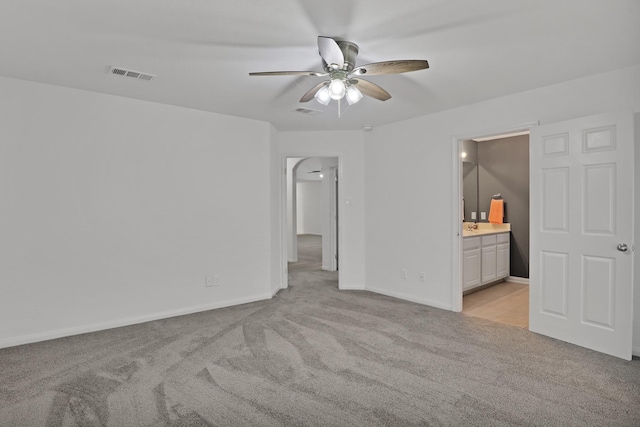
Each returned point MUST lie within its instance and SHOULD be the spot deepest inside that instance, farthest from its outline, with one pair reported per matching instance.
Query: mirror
(470, 190)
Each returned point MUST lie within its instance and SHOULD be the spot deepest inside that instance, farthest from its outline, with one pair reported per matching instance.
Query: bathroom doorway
(495, 254)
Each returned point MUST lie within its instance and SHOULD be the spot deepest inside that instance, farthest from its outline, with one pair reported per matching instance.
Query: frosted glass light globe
(353, 95)
(322, 96)
(337, 89)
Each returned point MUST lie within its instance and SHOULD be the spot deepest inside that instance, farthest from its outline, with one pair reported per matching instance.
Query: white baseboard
(514, 279)
(60, 333)
(399, 295)
(351, 287)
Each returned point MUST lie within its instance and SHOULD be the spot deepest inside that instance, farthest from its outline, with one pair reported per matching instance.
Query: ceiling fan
(339, 60)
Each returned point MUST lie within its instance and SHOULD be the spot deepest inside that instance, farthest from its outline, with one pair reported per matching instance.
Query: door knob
(622, 247)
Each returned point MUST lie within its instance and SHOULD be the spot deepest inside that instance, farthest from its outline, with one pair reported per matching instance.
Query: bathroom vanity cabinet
(485, 259)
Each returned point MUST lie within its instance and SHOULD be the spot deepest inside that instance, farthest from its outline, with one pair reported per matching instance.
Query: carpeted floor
(316, 356)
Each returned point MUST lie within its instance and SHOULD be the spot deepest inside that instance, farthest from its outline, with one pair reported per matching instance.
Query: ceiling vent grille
(118, 71)
(307, 111)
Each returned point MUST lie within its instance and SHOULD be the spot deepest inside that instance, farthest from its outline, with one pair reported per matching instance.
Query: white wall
(349, 147)
(309, 207)
(278, 280)
(113, 210)
(409, 178)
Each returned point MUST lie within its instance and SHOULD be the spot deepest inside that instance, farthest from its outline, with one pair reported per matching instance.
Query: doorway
(494, 254)
(312, 222)
(581, 229)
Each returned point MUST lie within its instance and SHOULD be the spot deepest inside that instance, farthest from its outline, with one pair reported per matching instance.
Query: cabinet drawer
(502, 238)
(488, 240)
(470, 243)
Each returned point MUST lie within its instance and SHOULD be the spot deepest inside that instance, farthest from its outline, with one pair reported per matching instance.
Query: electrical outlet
(403, 273)
(216, 280)
(422, 276)
(208, 281)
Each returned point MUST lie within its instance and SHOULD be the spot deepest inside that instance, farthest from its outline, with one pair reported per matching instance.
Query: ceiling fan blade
(290, 73)
(330, 51)
(391, 67)
(311, 93)
(370, 89)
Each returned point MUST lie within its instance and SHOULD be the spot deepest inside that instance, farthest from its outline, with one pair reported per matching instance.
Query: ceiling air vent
(307, 111)
(130, 73)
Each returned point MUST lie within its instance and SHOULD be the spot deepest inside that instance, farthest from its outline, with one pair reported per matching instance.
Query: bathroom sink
(486, 228)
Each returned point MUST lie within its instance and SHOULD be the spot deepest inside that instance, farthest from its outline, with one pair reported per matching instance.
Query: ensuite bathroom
(495, 228)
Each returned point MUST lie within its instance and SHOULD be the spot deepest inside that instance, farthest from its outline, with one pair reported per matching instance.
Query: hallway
(308, 270)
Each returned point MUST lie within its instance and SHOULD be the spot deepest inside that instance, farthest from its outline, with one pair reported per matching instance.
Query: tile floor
(506, 302)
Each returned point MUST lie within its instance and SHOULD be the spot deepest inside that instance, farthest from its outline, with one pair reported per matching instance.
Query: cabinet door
(502, 257)
(471, 265)
(489, 264)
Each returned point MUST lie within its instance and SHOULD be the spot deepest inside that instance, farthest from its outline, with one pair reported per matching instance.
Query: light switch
(483, 215)
(474, 215)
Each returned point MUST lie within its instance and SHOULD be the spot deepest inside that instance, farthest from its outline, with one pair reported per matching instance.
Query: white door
(581, 279)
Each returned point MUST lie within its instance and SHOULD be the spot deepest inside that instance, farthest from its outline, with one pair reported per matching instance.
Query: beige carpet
(316, 356)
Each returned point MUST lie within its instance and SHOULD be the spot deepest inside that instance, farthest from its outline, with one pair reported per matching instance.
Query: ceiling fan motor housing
(350, 52)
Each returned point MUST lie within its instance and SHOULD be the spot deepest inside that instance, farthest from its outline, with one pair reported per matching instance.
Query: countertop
(485, 228)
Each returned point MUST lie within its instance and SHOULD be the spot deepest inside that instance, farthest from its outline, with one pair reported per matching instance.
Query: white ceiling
(203, 50)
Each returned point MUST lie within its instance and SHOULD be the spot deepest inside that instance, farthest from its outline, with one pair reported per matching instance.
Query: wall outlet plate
(483, 215)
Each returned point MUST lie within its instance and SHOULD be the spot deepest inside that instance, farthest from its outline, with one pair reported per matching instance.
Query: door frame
(293, 256)
(283, 210)
(456, 200)
(334, 234)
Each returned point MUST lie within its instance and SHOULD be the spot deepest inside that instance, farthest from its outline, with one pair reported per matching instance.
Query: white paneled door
(581, 284)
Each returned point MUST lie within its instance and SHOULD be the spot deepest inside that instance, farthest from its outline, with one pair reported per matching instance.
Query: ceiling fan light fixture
(337, 89)
(339, 63)
(353, 95)
(322, 96)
